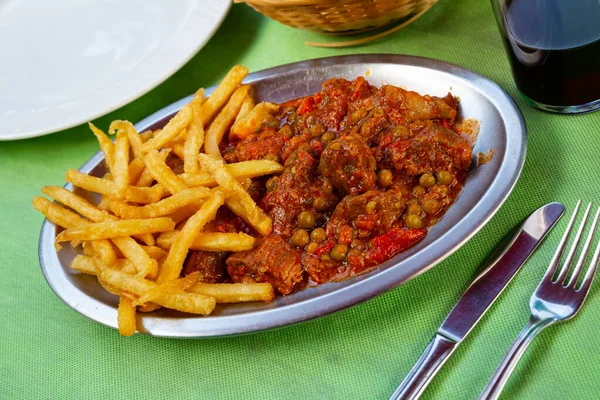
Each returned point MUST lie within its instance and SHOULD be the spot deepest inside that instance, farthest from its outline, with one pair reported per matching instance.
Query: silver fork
(554, 300)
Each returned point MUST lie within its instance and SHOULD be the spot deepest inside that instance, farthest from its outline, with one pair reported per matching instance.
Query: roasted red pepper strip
(306, 106)
(391, 243)
(319, 251)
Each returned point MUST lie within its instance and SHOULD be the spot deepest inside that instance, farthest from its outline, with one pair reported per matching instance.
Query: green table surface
(48, 351)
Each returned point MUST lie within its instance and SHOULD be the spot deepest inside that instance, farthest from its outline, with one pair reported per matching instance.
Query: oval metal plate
(487, 186)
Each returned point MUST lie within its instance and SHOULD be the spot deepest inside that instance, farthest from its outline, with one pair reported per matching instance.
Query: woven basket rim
(290, 3)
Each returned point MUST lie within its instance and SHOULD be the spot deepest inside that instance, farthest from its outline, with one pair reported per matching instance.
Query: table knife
(477, 299)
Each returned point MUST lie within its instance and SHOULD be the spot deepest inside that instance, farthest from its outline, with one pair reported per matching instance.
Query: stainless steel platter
(487, 186)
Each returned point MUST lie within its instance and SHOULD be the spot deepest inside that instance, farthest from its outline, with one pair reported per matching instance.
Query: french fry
(126, 316)
(161, 208)
(104, 251)
(147, 135)
(172, 266)
(185, 212)
(116, 229)
(223, 121)
(221, 94)
(179, 150)
(156, 252)
(146, 178)
(57, 214)
(86, 209)
(182, 301)
(162, 173)
(120, 171)
(210, 241)
(173, 128)
(147, 238)
(85, 264)
(88, 250)
(177, 285)
(136, 169)
(134, 138)
(238, 200)
(195, 135)
(90, 265)
(247, 106)
(252, 121)
(133, 251)
(68, 219)
(235, 292)
(77, 203)
(244, 169)
(106, 145)
(104, 204)
(143, 195)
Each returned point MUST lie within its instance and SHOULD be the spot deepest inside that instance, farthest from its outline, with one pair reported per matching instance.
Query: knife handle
(434, 356)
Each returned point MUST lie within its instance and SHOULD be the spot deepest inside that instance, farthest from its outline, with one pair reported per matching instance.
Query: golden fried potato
(252, 122)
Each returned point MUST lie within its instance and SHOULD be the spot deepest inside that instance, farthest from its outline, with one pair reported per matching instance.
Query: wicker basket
(339, 17)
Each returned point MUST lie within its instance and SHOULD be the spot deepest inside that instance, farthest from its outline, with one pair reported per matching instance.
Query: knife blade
(500, 268)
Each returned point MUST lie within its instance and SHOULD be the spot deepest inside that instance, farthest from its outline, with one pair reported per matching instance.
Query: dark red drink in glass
(554, 50)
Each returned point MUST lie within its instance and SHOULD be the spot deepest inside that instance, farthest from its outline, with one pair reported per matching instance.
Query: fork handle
(496, 383)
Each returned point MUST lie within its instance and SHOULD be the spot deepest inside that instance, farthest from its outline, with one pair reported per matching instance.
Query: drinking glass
(554, 51)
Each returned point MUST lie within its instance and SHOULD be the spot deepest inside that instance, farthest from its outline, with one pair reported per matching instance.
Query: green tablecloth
(48, 351)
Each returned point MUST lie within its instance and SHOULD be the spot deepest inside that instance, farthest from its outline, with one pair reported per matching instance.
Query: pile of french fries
(135, 241)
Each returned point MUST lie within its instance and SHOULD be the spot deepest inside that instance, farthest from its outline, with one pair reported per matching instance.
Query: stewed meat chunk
(349, 164)
(210, 265)
(272, 260)
(434, 148)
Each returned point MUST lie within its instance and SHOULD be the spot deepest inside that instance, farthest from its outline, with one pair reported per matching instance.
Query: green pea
(317, 130)
(419, 190)
(311, 247)
(370, 207)
(339, 251)
(358, 115)
(413, 221)
(300, 238)
(431, 206)
(427, 180)
(414, 209)
(320, 204)
(286, 130)
(327, 137)
(325, 257)
(271, 184)
(445, 177)
(274, 123)
(384, 178)
(306, 220)
(334, 146)
(327, 186)
(292, 117)
(318, 235)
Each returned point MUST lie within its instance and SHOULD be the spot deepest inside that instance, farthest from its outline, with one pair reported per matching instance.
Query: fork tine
(571, 254)
(584, 252)
(591, 272)
(561, 245)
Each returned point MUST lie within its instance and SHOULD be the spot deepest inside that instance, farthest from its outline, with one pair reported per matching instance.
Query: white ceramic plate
(65, 62)
(487, 186)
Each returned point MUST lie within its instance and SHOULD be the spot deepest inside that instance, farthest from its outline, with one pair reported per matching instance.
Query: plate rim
(134, 95)
(363, 289)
